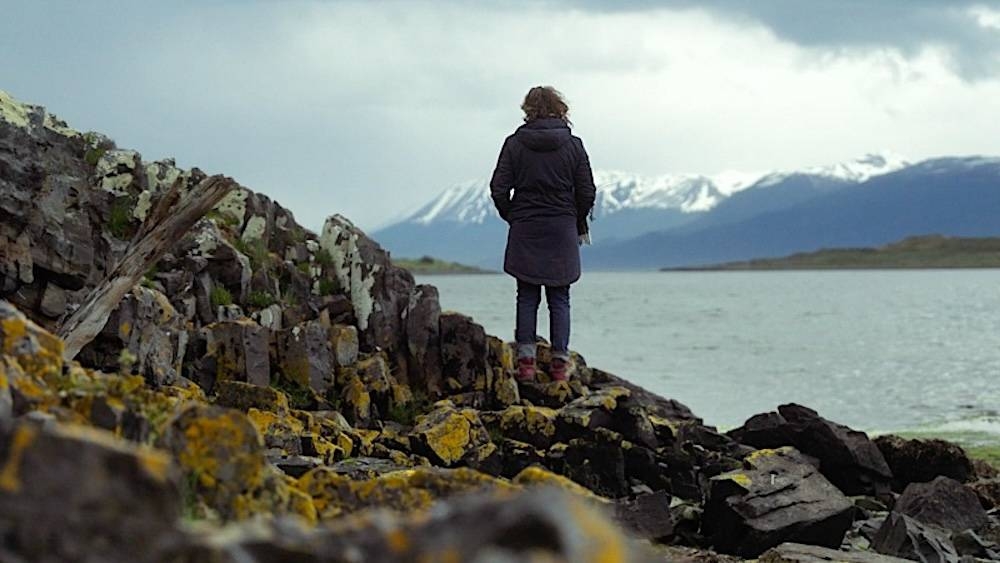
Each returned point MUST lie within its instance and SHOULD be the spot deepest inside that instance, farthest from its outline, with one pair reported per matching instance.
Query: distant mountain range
(690, 220)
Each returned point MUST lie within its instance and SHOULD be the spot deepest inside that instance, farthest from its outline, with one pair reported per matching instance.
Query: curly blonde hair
(544, 101)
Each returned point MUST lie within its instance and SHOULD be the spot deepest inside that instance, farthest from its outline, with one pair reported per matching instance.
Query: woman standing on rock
(553, 191)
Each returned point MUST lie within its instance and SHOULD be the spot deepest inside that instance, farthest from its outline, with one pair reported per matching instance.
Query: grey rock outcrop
(920, 461)
(463, 350)
(147, 325)
(779, 497)
(902, 536)
(848, 458)
(943, 502)
(423, 339)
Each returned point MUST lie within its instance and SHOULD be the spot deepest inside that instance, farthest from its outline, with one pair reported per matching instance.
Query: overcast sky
(372, 108)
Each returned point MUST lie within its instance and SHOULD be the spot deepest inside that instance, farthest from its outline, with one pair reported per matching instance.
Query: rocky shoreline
(271, 394)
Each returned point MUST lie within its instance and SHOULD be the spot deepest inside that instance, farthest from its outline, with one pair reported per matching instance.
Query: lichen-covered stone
(235, 351)
(243, 396)
(306, 356)
(534, 425)
(38, 352)
(447, 434)
(379, 292)
(221, 452)
(344, 340)
(335, 494)
(537, 476)
(73, 493)
(357, 402)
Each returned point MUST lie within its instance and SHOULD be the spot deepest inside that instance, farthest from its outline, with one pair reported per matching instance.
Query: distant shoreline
(428, 266)
(933, 252)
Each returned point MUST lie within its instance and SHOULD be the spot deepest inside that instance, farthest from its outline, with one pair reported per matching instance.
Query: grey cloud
(908, 25)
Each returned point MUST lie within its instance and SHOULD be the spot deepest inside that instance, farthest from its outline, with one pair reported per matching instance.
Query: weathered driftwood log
(177, 211)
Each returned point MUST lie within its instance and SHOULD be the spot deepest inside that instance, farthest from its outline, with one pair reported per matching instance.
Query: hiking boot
(525, 369)
(559, 369)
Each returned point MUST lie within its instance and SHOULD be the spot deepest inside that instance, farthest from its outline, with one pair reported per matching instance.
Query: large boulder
(943, 502)
(902, 536)
(222, 456)
(51, 242)
(73, 493)
(379, 292)
(920, 461)
(778, 497)
(848, 458)
(464, 350)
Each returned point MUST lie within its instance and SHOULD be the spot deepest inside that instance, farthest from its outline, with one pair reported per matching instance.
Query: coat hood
(543, 135)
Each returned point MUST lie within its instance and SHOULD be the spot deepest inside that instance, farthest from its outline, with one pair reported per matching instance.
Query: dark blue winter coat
(548, 171)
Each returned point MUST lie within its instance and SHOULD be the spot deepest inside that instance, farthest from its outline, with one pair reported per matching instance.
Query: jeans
(529, 296)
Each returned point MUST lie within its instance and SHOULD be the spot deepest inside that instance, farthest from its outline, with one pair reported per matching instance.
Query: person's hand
(584, 239)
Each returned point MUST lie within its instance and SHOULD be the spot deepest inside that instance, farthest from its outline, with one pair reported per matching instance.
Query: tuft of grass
(323, 258)
(189, 496)
(126, 361)
(299, 397)
(93, 155)
(989, 454)
(303, 267)
(220, 297)
(327, 287)
(257, 251)
(496, 435)
(261, 299)
(120, 218)
(220, 218)
(407, 413)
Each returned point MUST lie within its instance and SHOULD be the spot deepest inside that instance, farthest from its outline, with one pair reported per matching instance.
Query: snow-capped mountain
(461, 223)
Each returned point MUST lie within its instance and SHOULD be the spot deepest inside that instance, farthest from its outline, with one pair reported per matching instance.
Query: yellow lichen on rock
(741, 479)
(357, 399)
(535, 476)
(335, 495)
(534, 421)
(605, 544)
(758, 455)
(447, 435)
(10, 473)
(39, 352)
(221, 450)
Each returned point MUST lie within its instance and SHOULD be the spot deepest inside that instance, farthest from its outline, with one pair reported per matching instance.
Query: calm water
(876, 350)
